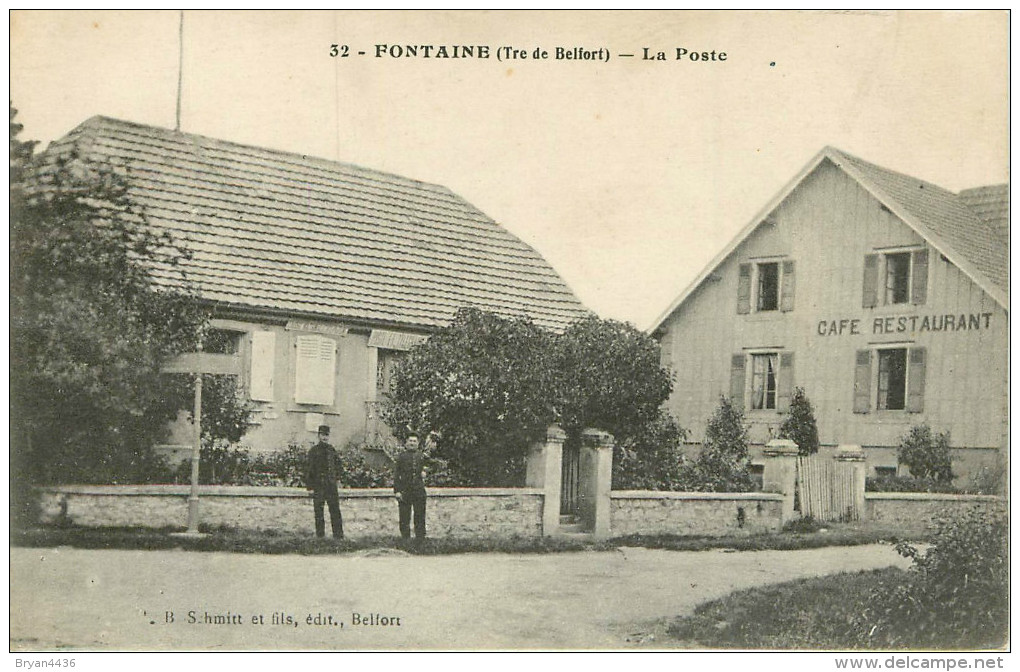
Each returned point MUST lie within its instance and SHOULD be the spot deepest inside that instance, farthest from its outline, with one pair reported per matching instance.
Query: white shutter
(315, 370)
(263, 363)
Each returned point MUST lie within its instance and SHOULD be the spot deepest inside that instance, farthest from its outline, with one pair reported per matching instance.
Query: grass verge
(245, 541)
(841, 612)
(816, 613)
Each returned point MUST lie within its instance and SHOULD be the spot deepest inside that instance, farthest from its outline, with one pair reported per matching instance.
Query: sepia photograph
(510, 331)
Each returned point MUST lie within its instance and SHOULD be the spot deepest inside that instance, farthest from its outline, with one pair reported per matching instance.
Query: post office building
(320, 275)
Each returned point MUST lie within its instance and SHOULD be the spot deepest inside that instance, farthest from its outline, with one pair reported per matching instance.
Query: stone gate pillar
(596, 480)
(780, 474)
(545, 464)
(852, 457)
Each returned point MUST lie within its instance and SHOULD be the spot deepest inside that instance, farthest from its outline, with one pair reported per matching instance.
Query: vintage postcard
(590, 330)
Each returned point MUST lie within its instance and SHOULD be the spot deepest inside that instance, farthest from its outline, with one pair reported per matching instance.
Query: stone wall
(694, 513)
(912, 512)
(452, 512)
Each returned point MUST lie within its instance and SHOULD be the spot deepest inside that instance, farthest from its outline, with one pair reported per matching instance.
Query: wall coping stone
(269, 491)
(719, 496)
(933, 496)
(781, 447)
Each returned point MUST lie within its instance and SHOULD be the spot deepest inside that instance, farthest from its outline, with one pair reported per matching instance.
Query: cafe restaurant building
(883, 296)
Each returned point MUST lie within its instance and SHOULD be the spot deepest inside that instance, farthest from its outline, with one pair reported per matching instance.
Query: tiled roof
(971, 228)
(280, 231)
(991, 204)
(959, 221)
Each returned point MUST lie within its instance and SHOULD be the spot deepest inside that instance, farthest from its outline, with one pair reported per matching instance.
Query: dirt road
(121, 600)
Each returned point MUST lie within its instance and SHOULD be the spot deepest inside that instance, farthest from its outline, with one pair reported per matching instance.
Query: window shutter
(315, 370)
(785, 390)
(744, 290)
(862, 382)
(737, 373)
(870, 280)
(789, 286)
(915, 380)
(263, 364)
(919, 283)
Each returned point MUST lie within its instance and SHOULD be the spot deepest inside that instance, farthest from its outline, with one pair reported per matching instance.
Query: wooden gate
(825, 489)
(571, 479)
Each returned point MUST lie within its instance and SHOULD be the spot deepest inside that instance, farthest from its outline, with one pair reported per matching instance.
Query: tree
(488, 387)
(799, 425)
(483, 388)
(90, 326)
(722, 465)
(927, 454)
(609, 378)
(651, 459)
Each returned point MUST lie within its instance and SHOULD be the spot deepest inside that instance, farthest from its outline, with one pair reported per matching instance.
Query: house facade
(321, 275)
(884, 297)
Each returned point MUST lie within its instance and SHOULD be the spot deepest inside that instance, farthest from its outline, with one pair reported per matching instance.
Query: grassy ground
(817, 613)
(243, 541)
(826, 613)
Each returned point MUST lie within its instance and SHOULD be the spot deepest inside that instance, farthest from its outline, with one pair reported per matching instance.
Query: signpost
(199, 363)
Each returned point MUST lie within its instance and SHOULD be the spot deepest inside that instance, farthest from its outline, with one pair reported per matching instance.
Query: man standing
(409, 486)
(323, 473)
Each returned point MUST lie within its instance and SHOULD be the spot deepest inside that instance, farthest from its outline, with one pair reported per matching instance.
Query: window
(222, 342)
(892, 379)
(897, 278)
(885, 472)
(315, 370)
(772, 283)
(763, 381)
(903, 275)
(898, 384)
(386, 364)
(768, 286)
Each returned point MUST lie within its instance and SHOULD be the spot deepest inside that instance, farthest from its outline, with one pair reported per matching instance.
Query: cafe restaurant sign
(904, 324)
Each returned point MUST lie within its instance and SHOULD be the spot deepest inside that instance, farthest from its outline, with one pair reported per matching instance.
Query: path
(117, 600)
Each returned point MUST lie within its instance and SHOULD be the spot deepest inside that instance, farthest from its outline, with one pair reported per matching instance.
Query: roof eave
(998, 295)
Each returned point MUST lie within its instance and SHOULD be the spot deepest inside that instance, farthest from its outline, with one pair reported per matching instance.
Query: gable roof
(970, 228)
(290, 233)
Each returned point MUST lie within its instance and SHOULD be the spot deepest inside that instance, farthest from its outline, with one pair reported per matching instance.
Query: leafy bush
(487, 388)
(957, 595)
(358, 472)
(799, 425)
(483, 388)
(219, 464)
(988, 480)
(652, 459)
(926, 454)
(286, 468)
(723, 465)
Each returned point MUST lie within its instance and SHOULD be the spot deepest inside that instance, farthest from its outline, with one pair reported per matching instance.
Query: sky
(628, 175)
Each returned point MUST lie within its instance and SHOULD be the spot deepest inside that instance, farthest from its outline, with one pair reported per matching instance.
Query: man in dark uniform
(323, 473)
(409, 486)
